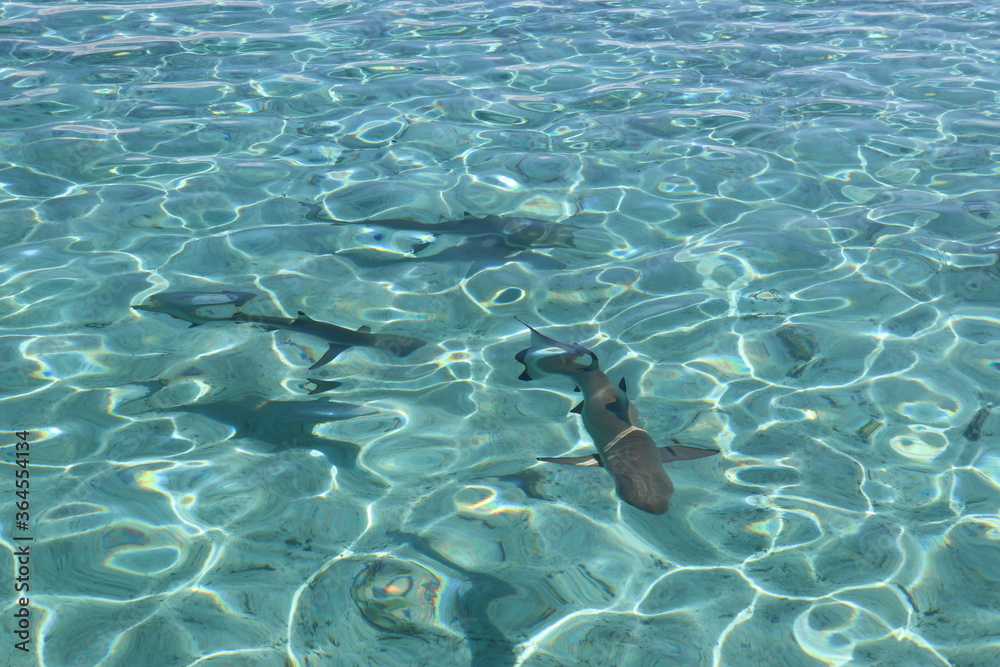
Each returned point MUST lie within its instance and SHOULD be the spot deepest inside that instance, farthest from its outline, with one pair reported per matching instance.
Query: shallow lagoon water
(783, 215)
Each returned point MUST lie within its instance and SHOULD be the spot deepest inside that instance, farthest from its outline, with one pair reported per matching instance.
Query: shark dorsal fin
(619, 406)
(302, 317)
(364, 328)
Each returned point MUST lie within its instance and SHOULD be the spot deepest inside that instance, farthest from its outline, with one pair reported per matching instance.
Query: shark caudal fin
(547, 356)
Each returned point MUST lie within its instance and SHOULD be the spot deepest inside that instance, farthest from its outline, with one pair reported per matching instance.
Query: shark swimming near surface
(485, 242)
(186, 306)
(624, 448)
(339, 338)
(484, 252)
(516, 231)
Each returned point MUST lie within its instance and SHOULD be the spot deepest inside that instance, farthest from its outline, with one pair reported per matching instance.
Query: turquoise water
(782, 215)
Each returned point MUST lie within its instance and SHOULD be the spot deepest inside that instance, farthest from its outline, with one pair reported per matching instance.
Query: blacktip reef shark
(624, 449)
(185, 306)
(339, 338)
(484, 252)
(516, 231)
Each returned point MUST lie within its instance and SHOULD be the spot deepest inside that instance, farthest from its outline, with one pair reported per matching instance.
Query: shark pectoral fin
(524, 376)
(323, 385)
(591, 460)
(682, 453)
(364, 328)
(194, 324)
(578, 409)
(329, 355)
(417, 247)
